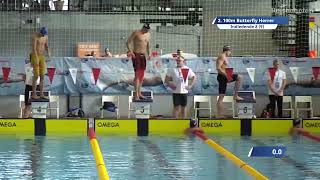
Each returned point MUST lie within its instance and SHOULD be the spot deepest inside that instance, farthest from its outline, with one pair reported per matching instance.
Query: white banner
(163, 73)
(73, 73)
(251, 72)
(295, 73)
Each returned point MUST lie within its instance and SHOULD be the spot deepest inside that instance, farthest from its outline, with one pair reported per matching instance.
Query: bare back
(140, 42)
(221, 64)
(39, 44)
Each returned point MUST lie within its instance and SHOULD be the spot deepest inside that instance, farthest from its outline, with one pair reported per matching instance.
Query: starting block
(246, 106)
(39, 106)
(142, 107)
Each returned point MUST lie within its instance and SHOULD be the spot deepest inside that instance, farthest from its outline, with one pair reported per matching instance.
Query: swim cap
(226, 48)
(146, 26)
(297, 122)
(193, 123)
(44, 31)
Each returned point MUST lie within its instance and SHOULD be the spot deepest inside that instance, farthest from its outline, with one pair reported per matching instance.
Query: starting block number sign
(143, 110)
(39, 109)
(245, 109)
(142, 107)
(246, 106)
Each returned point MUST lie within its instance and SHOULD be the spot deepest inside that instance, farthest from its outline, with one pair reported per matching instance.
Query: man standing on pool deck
(179, 83)
(38, 62)
(221, 65)
(276, 88)
(138, 45)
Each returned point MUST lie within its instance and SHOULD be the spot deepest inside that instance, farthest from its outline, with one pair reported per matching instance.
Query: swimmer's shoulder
(221, 57)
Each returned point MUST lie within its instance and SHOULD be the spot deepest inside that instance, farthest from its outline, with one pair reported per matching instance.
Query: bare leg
(236, 89)
(34, 84)
(176, 110)
(220, 108)
(140, 94)
(26, 111)
(41, 86)
(140, 86)
(183, 112)
(136, 87)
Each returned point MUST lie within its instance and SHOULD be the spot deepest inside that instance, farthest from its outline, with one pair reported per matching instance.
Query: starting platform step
(148, 97)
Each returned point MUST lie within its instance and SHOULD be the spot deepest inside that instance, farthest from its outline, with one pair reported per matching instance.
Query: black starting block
(246, 106)
(142, 111)
(147, 94)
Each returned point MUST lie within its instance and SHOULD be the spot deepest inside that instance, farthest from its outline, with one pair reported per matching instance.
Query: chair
(288, 99)
(21, 105)
(303, 99)
(113, 99)
(53, 105)
(130, 109)
(229, 99)
(197, 99)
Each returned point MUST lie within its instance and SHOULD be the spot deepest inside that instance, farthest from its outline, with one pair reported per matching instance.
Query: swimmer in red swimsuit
(138, 45)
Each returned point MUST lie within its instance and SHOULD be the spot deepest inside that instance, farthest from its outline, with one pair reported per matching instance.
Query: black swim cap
(226, 48)
(297, 122)
(193, 123)
(146, 26)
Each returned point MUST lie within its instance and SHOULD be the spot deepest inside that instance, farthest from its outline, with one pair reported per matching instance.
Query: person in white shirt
(276, 88)
(28, 89)
(178, 80)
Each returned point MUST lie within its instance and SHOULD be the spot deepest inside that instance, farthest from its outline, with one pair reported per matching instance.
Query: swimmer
(221, 65)
(37, 58)
(138, 46)
(193, 128)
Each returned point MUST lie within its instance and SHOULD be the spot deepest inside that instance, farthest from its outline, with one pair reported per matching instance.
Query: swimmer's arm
(219, 64)
(24, 76)
(271, 87)
(154, 81)
(129, 42)
(15, 80)
(11, 80)
(168, 82)
(193, 80)
(34, 46)
(306, 83)
(168, 79)
(148, 49)
(47, 47)
(284, 83)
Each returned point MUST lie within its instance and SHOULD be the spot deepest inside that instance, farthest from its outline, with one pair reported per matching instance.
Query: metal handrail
(314, 38)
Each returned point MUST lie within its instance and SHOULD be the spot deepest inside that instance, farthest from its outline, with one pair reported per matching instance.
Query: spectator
(107, 53)
(180, 86)
(276, 88)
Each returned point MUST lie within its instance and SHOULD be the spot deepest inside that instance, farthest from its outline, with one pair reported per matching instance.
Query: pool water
(46, 158)
(153, 157)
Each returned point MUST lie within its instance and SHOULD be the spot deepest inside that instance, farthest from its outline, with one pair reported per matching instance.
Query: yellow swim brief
(38, 67)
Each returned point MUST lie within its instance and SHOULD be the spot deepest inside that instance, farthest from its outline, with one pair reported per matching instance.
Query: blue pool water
(154, 157)
(46, 158)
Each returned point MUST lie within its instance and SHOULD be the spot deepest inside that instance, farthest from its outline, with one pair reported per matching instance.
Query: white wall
(162, 106)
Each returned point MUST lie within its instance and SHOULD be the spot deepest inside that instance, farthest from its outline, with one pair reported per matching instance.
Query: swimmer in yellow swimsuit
(37, 58)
